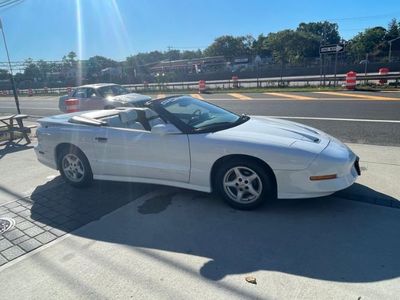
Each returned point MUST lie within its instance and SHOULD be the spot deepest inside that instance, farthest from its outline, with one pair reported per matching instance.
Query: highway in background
(366, 118)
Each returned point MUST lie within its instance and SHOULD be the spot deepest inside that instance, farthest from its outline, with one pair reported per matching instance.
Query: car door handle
(101, 139)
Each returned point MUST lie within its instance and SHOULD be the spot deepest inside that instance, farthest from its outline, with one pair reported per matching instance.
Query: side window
(91, 93)
(80, 93)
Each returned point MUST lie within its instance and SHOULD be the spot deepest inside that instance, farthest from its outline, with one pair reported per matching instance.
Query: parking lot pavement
(145, 240)
(173, 243)
(20, 171)
(379, 183)
(54, 208)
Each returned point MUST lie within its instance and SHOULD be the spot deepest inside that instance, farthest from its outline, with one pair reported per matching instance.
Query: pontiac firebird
(185, 142)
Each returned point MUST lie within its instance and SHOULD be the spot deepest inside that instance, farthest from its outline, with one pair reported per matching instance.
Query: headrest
(150, 113)
(128, 116)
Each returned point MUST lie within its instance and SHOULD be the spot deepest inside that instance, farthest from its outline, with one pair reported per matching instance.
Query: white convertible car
(185, 142)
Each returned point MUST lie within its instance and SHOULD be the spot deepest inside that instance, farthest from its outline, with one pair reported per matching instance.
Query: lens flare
(112, 26)
(79, 28)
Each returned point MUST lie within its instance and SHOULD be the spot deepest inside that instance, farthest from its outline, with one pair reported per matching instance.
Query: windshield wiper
(243, 118)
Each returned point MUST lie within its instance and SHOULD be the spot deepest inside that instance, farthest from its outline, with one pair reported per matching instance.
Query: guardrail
(328, 80)
(263, 82)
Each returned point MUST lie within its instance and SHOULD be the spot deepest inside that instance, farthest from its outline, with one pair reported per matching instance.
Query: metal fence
(300, 81)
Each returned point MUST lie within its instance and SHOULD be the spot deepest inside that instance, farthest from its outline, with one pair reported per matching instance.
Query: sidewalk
(379, 182)
(195, 247)
(146, 241)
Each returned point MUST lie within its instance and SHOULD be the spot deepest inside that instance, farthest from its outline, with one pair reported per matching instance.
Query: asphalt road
(356, 120)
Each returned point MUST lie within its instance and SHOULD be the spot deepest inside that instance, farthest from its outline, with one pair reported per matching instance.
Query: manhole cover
(6, 224)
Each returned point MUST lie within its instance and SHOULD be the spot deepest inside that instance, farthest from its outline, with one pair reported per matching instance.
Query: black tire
(263, 184)
(80, 167)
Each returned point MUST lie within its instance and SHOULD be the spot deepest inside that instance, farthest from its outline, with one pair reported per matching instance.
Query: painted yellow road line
(239, 96)
(291, 96)
(359, 96)
(160, 96)
(197, 96)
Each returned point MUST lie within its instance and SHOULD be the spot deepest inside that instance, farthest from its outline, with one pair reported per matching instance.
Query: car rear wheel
(244, 184)
(74, 167)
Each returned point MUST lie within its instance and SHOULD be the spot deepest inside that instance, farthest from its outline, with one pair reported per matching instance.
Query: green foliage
(69, 60)
(324, 32)
(97, 63)
(289, 46)
(4, 74)
(283, 47)
(371, 41)
(393, 30)
(230, 46)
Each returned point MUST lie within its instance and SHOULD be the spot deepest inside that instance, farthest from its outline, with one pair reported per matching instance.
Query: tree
(260, 46)
(371, 41)
(393, 30)
(172, 54)
(289, 46)
(32, 71)
(191, 54)
(325, 32)
(230, 47)
(69, 60)
(97, 63)
(4, 74)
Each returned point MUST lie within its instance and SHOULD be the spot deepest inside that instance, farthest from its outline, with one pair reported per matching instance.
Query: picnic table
(14, 123)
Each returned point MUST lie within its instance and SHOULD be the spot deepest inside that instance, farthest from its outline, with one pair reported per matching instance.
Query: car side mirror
(165, 129)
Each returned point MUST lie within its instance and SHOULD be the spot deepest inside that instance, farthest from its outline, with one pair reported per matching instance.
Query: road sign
(327, 49)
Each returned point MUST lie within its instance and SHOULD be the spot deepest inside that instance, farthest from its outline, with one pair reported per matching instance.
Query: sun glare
(79, 26)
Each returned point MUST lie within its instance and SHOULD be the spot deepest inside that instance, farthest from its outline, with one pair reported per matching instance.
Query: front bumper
(45, 157)
(336, 158)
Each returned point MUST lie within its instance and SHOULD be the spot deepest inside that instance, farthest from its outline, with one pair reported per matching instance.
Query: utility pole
(11, 71)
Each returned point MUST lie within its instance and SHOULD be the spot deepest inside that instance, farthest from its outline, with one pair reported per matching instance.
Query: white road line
(333, 119)
(24, 107)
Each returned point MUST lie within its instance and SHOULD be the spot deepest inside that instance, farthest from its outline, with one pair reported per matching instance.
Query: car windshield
(112, 90)
(200, 115)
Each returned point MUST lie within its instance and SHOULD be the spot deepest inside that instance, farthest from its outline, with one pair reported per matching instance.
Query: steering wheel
(195, 116)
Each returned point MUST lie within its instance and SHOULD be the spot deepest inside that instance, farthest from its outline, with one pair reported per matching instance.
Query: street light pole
(11, 71)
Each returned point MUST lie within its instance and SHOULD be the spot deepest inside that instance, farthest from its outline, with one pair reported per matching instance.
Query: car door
(93, 100)
(138, 153)
(81, 95)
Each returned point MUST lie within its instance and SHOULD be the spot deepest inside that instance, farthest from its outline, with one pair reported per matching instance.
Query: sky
(49, 29)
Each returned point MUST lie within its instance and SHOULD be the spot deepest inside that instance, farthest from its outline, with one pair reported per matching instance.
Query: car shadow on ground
(327, 238)
(11, 147)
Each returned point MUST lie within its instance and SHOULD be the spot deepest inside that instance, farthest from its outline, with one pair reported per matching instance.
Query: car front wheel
(75, 168)
(244, 184)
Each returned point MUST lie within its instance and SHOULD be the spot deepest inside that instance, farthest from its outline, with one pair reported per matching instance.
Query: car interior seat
(152, 118)
(129, 120)
(113, 121)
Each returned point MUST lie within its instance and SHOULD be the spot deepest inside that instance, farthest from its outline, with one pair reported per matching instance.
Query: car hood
(277, 131)
(130, 98)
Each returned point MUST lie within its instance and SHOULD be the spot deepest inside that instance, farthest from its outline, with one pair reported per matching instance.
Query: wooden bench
(8, 122)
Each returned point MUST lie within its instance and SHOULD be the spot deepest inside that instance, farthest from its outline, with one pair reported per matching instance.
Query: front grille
(357, 166)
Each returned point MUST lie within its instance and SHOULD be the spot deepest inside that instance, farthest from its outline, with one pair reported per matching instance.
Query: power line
(392, 14)
(9, 3)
